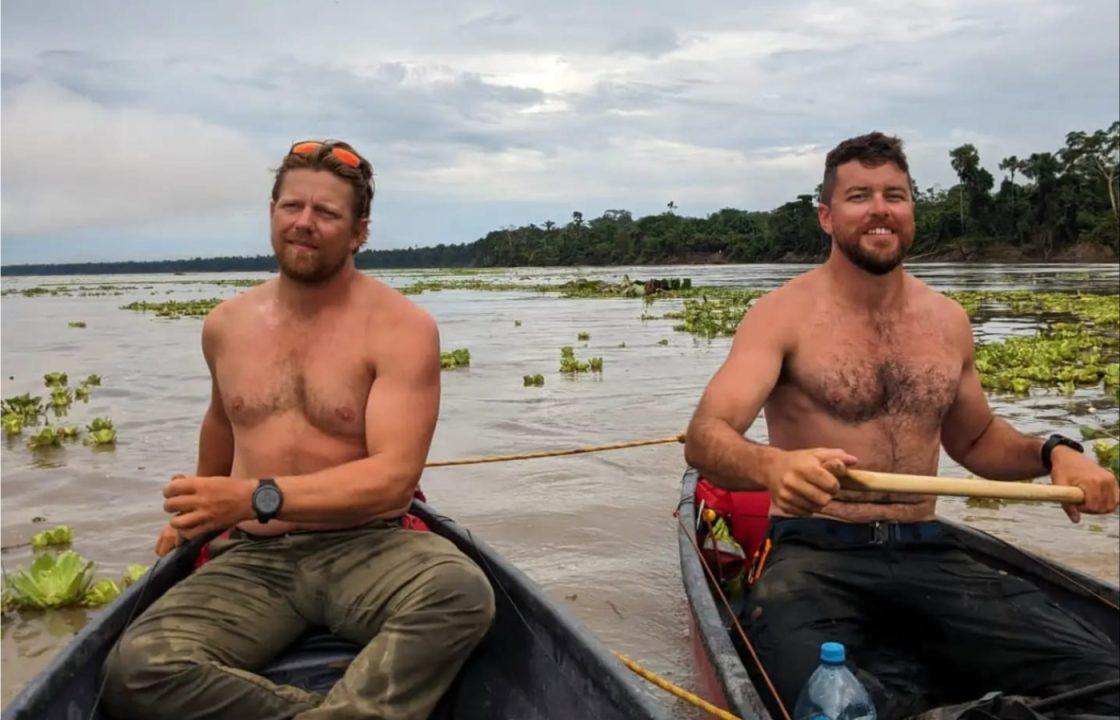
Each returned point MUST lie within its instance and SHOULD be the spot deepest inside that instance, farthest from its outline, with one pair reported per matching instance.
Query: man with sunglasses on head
(857, 362)
(325, 394)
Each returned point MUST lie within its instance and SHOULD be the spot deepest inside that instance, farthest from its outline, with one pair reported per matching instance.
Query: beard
(309, 268)
(872, 263)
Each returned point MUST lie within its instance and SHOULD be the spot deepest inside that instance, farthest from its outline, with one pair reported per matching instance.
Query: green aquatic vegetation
(533, 380)
(663, 341)
(986, 503)
(132, 573)
(175, 308)
(714, 316)
(12, 423)
(76, 324)
(47, 437)
(61, 535)
(583, 336)
(29, 409)
(102, 592)
(517, 323)
(101, 432)
(67, 432)
(82, 393)
(1108, 455)
(460, 357)
(55, 379)
(61, 400)
(51, 581)
(92, 379)
(1065, 353)
(570, 364)
(1104, 432)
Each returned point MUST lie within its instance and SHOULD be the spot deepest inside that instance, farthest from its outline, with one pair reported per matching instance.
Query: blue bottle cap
(832, 652)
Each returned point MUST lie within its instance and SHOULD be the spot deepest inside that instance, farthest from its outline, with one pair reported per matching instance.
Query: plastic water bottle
(833, 693)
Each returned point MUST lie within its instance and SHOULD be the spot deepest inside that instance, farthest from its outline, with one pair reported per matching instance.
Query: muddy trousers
(417, 604)
(961, 624)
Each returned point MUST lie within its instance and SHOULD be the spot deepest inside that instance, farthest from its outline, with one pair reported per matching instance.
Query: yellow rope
(678, 691)
(557, 453)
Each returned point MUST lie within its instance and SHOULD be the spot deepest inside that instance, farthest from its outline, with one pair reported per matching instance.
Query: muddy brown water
(596, 532)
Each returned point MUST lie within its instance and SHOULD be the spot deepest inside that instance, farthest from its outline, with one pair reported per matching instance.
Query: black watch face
(266, 500)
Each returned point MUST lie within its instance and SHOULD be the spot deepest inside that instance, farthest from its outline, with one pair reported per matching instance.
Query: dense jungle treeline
(1044, 203)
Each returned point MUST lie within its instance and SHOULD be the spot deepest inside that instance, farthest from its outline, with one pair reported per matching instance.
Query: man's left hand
(203, 504)
(1102, 493)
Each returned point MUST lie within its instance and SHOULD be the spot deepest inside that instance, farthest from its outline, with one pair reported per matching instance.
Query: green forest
(1044, 203)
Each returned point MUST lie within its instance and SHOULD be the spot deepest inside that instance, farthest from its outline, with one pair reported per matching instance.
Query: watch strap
(1054, 441)
(262, 516)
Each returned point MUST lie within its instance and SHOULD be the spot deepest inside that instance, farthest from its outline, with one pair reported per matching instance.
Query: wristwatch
(1054, 441)
(267, 499)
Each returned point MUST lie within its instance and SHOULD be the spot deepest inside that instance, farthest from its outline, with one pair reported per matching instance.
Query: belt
(875, 533)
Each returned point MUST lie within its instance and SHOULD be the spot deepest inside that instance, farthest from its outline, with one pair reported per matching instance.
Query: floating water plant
(1108, 455)
(47, 437)
(67, 432)
(517, 323)
(76, 324)
(29, 409)
(534, 380)
(82, 393)
(61, 400)
(663, 341)
(571, 365)
(55, 379)
(102, 592)
(51, 581)
(101, 432)
(13, 424)
(133, 573)
(460, 357)
(92, 379)
(583, 336)
(61, 535)
(175, 308)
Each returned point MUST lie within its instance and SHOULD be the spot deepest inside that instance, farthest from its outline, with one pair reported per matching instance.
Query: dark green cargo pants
(417, 604)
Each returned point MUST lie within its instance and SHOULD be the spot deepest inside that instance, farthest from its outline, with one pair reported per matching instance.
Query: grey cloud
(649, 41)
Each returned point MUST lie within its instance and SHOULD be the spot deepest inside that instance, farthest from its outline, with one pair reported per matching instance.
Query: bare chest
(316, 382)
(860, 373)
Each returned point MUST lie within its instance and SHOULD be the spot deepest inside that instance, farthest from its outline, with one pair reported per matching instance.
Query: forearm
(215, 447)
(1003, 453)
(725, 457)
(371, 487)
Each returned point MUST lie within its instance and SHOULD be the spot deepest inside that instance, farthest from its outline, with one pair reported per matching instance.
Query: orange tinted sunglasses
(344, 156)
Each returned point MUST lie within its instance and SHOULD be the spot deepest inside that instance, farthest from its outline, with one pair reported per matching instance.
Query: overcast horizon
(149, 131)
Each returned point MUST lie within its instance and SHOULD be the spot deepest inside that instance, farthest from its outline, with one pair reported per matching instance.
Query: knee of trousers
(461, 593)
(138, 674)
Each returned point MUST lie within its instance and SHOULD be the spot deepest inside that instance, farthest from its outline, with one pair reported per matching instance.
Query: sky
(150, 130)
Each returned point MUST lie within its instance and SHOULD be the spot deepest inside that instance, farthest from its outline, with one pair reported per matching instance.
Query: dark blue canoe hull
(720, 665)
(535, 663)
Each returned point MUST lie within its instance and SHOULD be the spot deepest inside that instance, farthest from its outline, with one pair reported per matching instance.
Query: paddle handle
(959, 487)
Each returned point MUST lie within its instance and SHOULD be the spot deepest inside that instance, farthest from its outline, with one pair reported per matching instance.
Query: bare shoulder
(224, 317)
(940, 308)
(394, 320)
(778, 308)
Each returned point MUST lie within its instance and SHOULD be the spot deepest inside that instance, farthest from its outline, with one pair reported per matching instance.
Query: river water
(595, 531)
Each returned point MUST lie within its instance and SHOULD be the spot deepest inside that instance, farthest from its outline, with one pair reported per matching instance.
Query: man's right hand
(169, 539)
(801, 482)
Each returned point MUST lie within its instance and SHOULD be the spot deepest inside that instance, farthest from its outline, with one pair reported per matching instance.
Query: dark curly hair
(872, 149)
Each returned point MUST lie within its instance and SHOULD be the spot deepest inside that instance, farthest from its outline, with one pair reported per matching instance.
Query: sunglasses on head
(344, 156)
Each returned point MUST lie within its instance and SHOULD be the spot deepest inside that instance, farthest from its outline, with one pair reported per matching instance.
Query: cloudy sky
(147, 130)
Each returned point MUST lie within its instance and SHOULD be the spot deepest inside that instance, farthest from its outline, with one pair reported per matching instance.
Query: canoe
(730, 681)
(535, 663)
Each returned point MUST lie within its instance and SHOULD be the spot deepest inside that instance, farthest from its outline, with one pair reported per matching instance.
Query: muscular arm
(983, 443)
(714, 443)
(401, 415)
(215, 439)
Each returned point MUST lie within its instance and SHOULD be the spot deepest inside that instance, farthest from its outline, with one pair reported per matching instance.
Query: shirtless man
(858, 363)
(324, 399)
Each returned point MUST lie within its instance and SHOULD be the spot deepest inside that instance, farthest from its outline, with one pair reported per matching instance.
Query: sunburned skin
(879, 387)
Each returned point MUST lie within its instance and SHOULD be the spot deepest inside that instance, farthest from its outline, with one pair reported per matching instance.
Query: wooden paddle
(960, 487)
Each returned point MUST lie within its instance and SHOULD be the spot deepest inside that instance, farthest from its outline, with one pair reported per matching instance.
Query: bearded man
(325, 394)
(857, 362)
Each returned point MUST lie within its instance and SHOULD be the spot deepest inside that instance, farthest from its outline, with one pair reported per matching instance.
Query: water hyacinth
(47, 437)
(61, 535)
(67, 432)
(460, 357)
(52, 581)
(55, 379)
(175, 308)
(569, 364)
(29, 409)
(101, 432)
(92, 379)
(533, 380)
(102, 592)
(583, 336)
(76, 324)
